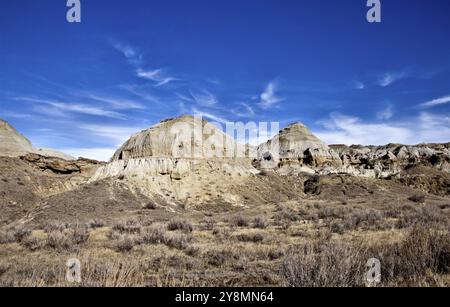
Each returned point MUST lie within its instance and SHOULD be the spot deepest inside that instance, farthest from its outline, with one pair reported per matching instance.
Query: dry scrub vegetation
(297, 243)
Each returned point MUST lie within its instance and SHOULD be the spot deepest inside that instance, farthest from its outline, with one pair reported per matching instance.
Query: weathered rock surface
(296, 149)
(183, 137)
(391, 160)
(14, 144)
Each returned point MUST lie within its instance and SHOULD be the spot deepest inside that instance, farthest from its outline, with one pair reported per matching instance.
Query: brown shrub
(259, 222)
(424, 215)
(68, 239)
(239, 221)
(219, 257)
(417, 198)
(95, 223)
(55, 226)
(180, 224)
(130, 226)
(208, 224)
(251, 237)
(323, 265)
(177, 240)
(33, 243)
(14, 234)
(125, 244)
(153, 235)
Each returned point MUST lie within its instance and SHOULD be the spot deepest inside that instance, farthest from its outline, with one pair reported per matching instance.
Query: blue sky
(85, 88)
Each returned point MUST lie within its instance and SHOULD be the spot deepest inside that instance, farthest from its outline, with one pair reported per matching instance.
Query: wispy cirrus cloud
(243, 110)
(436, 102)
(117, 134)
(391, 77)
(204, 98)
(269, 97)
(133, 56)
(58, 108)
(159, 76)
(118, 103)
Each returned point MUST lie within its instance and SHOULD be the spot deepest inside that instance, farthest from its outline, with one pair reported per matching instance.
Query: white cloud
(205, 98)
(100, 154)
(436, 102)
(386, 114)
(131, 54)
(343, 129)
(244, 110)
(359, 85)
(118, 134)
(217, 118)
(390, 78)
(56, 108)
(118, 103)
(425, 128)
(269, 97)
(157, 75)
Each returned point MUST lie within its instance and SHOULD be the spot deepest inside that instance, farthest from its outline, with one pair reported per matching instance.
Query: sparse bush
(3, 269)
(251, 237)
(130, 226)
(208, 224)
(417, 198)
(59, 240)
(285, 214)
(6, 237)
(33, 243)
(68, 239)
(95, 223)
(337, 227)
(329, 212)
(177, 240)
(323, 265)
(427, 215)
(259, 222)
(55, 226)
(14, 234)
(125, 244)
(239, 221)
(80, 234)
(153, 235)
(180, 224)
(219, 257)
(192, 250)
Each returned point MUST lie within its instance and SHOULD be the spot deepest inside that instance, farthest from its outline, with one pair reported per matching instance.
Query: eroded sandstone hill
(295, 148)
(14, 144)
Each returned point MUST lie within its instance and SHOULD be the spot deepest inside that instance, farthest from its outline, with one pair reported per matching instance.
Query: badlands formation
(188, 160)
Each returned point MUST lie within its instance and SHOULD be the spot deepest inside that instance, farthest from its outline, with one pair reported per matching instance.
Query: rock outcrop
(14, 144)
(296, 149)
(183, 137)
(390, 160)
(183, 159)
